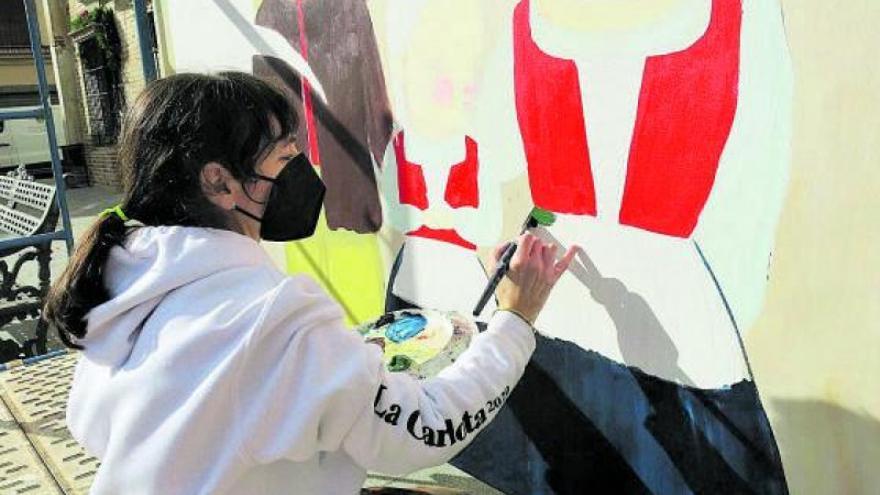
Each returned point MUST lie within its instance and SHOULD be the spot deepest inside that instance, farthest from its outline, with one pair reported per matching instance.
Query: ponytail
(81, 286)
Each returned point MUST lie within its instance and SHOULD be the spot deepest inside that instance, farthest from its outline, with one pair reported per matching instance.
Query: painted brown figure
(352, 129)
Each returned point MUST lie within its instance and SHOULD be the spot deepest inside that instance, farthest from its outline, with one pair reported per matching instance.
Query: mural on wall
(658, 133)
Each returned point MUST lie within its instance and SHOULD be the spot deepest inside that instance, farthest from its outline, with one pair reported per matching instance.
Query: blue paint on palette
(406, 328)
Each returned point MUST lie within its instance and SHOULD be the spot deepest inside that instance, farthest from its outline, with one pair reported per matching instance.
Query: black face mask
(294, 204)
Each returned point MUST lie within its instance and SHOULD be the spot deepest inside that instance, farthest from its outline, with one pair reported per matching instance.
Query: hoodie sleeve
(313, 385)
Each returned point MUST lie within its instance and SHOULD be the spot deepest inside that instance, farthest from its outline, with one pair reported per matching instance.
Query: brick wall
(132, 70)
(103, 167)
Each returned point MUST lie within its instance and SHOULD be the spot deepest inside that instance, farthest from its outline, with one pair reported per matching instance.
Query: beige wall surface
(816, 347)
(21, 72)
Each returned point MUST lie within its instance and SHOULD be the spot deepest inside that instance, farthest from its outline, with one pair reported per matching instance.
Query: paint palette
(420, 342)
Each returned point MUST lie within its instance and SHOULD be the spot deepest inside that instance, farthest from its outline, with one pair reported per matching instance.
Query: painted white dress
(662, 147)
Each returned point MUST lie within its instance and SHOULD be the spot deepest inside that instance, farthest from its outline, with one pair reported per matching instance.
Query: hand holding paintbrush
(531, 270)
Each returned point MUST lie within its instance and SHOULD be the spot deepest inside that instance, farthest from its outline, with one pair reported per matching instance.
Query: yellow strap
(116, 210)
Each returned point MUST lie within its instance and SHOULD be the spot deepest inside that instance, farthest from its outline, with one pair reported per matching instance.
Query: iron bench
(27, 208)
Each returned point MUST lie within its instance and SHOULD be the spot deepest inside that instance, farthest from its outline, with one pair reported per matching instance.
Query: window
(13, 26)
(100, 62)
(151, 26)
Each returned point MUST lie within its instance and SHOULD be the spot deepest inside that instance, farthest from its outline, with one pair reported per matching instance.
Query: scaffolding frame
(44, 111)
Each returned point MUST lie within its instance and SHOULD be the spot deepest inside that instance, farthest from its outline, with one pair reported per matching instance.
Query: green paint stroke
(543, 217)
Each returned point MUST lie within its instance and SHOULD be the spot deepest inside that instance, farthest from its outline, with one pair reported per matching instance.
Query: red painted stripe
(444, 235)
(686, 109)
(462, 188)
(312, 130)
(551, 122)
(411, 186)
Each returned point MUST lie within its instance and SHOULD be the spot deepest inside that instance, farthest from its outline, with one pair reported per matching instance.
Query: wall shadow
(826, 448)
(642, 340)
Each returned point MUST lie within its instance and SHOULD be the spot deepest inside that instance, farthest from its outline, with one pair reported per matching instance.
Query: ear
(218, 184)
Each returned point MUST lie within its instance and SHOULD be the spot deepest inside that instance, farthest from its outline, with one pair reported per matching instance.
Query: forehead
(285, 146)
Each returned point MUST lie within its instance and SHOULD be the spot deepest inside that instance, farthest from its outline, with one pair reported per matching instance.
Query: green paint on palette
(399, 362)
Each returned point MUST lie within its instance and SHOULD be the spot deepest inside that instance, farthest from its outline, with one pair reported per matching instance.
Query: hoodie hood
(153, 262)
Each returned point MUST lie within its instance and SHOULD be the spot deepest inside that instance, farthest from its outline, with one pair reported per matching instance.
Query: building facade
(94, 71)
(109, 76)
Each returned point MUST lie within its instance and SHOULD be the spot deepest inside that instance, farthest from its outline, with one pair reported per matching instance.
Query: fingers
(549, 258)
(523, 251)
(497, 254)
(537, 248)
(562, 265)
(498, 251)
(539, 257)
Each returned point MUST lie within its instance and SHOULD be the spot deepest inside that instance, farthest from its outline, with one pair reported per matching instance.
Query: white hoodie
(210, 371)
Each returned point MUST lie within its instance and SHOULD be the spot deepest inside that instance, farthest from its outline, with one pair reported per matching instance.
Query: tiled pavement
(37, 453)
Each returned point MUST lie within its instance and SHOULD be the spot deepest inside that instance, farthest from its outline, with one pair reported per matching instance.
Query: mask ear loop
(260, 177)
(246, 213)
(269, 179)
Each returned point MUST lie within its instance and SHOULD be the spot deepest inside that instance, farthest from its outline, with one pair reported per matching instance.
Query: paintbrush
(536, 217)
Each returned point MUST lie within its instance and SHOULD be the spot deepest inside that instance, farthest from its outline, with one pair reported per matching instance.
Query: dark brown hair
(176, 126)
